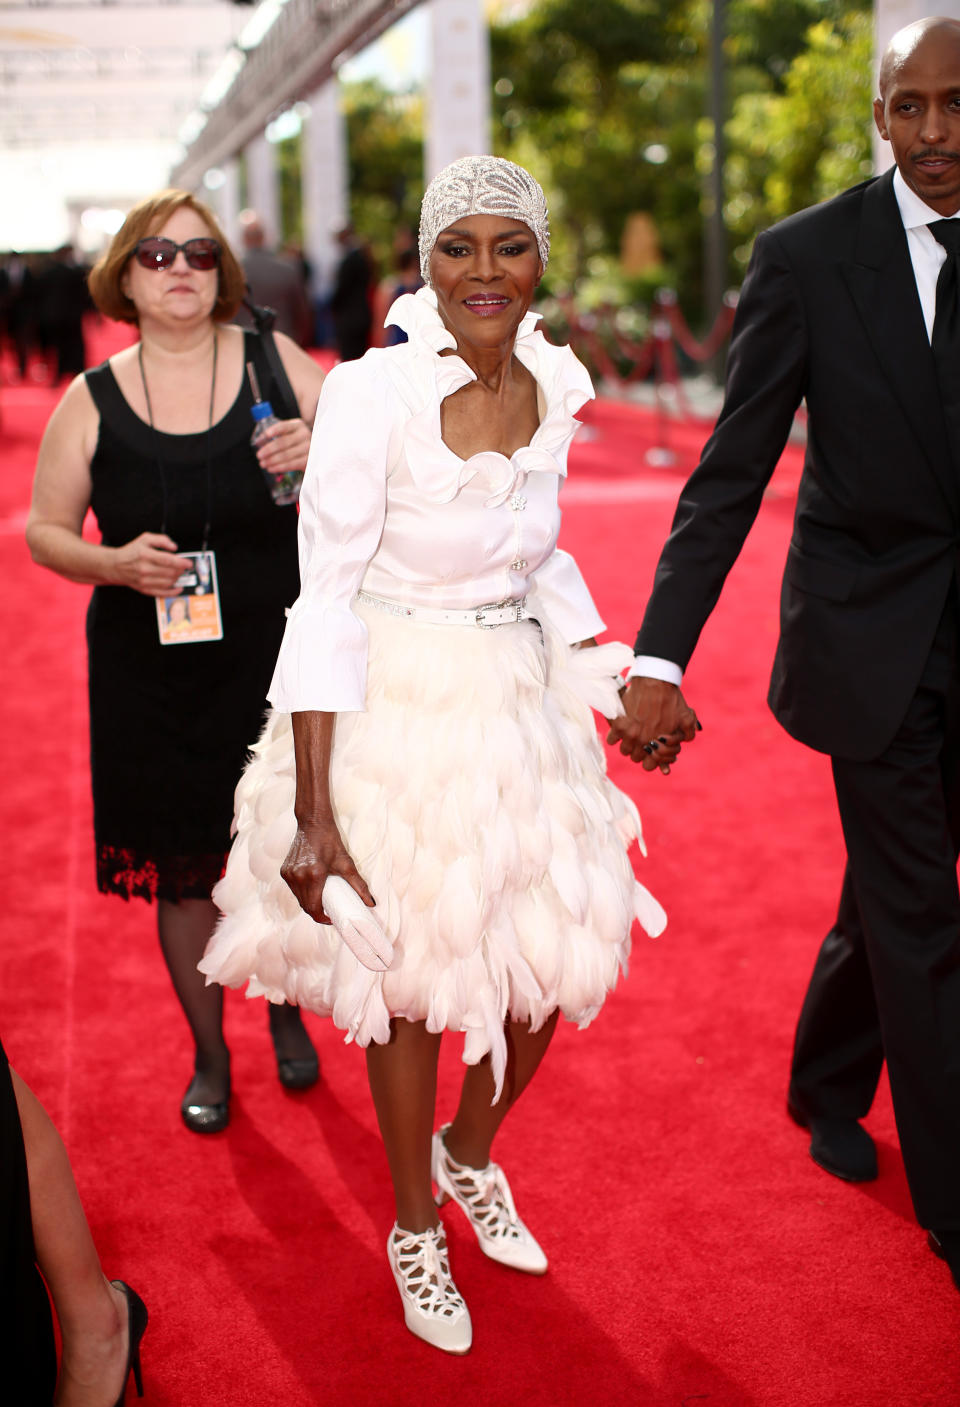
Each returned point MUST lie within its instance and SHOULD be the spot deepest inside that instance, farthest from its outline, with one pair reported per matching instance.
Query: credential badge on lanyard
(194, 614)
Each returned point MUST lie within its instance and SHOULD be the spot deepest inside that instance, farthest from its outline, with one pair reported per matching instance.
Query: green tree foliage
(799, 145)
(606, 103)
(385, 143)
(289, 157)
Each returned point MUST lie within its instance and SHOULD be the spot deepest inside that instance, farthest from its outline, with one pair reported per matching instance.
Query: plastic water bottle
(285, 485)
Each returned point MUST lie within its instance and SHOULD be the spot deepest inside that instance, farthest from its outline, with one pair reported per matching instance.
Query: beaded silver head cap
(482, 185)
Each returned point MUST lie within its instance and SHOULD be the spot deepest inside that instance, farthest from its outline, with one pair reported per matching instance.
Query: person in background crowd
(157, 442)
(63, 300)
(854, 306)
(350, 298)
(294, 254)
(405, 278)
(19, 293)
(438, 754)
(273, 282)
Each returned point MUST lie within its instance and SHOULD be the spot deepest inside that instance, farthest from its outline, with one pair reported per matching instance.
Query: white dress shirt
(388, 508)
(927, 256)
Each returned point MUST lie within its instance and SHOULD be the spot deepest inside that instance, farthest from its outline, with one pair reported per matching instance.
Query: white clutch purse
(357, 925)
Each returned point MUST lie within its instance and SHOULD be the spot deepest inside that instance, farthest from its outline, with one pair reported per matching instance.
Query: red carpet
(697, 1255)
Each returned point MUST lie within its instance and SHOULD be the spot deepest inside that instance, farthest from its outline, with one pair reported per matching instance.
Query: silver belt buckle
(509, 604)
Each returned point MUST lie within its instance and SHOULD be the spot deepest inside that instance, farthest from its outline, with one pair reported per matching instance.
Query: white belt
(487, 617)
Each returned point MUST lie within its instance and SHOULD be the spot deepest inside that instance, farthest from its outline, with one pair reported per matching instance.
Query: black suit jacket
(829, 311)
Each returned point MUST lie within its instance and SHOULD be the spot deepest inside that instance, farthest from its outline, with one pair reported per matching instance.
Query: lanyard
(156, 443)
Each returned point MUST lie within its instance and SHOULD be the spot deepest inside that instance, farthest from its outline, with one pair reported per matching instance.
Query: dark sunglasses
(155, 252)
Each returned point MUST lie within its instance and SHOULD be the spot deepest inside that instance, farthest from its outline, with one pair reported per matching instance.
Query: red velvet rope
(667, 304)
(590, 333)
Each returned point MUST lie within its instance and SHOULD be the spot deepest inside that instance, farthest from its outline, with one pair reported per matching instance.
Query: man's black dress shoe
(946, 1245)
(839, 1146)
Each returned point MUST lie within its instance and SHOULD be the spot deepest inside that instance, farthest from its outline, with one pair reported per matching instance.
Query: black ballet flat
(137, 1323)
(204, 1118)
(293, 1071)
(298, 1074)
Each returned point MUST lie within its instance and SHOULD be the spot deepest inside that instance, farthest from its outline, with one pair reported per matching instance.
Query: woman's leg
(291, 1041)
(403, 1082)
(92, 1313)
(470, 1135)
(185, 930)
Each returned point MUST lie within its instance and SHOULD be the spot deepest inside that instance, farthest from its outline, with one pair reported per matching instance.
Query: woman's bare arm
(305, 375)
(61, 497)
(318, 849)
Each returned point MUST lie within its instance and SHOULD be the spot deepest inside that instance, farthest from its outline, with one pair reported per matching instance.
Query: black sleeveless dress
(171, 725)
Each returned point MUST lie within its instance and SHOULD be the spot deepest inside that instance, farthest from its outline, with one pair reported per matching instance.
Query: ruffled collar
(437, 471)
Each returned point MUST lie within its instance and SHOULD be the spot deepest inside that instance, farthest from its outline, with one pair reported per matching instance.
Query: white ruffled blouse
(388, 508)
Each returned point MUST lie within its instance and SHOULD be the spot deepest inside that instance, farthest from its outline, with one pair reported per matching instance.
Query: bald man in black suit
(839, 308)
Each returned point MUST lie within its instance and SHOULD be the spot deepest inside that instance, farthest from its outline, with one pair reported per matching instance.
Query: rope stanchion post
(660, 455)
(605, 343)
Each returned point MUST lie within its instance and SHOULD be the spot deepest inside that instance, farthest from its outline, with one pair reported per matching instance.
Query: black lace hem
(133, 875)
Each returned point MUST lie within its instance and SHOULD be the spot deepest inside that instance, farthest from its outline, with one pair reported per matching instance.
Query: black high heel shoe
(137, 1323)
(204, 1117)
(294, 1072)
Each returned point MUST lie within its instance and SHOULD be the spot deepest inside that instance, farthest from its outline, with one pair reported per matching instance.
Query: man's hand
(657, 720)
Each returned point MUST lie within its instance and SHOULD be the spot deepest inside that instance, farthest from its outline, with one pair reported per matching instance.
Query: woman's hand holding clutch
(327, 886)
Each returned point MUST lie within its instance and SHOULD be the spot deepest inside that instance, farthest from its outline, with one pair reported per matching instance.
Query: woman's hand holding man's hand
(657, 719)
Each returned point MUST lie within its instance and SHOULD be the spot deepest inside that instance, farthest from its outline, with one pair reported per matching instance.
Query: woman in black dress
(157, 442)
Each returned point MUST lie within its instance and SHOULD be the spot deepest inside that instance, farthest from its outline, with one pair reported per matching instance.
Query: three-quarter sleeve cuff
(559, 590)
(322, 663)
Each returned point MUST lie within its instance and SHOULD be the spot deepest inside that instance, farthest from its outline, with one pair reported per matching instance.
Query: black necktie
(945, 342)
(946, 323)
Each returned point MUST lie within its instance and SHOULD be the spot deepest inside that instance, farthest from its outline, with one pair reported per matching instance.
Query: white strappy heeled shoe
(433, 1307)
(483, 1194)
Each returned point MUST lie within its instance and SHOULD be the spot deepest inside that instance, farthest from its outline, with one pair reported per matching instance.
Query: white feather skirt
(473, 797)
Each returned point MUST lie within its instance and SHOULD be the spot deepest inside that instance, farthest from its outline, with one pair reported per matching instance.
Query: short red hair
(106, 276)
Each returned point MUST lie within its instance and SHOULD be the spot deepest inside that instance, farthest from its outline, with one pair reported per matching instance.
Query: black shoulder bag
(284, 401)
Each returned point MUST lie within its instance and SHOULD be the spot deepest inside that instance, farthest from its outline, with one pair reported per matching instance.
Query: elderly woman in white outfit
(432, 742)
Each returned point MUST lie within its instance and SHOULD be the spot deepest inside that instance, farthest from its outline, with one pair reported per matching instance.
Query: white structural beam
(458, 113)
(888, 17)
(224, 199)
(89, 72)
(263, 194)
(300, 51)
(145, 27)
(324, 182)
(172, 92)
(36, 123)
(36, 9)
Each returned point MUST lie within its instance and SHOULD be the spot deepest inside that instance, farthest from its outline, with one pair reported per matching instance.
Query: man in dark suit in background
(854, 306)
(274, 283)
(62, 302)
(350, 305)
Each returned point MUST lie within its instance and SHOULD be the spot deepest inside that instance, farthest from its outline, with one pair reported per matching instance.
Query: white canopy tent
(93, 96)
(102, 100)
